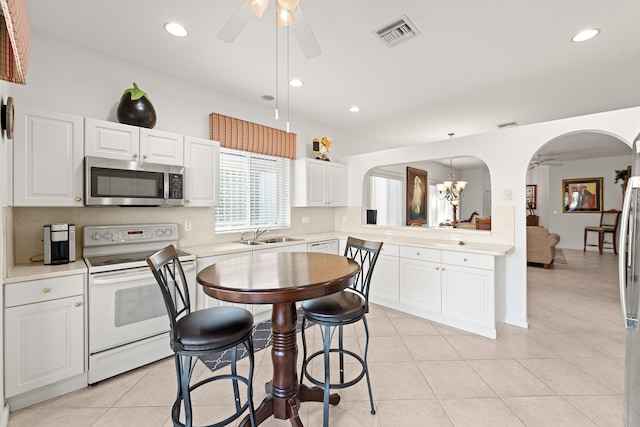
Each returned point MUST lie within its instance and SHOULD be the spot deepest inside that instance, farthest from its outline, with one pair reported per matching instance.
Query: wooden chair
(483, 223)
(608, 224)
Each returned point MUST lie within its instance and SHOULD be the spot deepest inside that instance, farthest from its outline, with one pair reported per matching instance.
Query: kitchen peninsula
(460, 285)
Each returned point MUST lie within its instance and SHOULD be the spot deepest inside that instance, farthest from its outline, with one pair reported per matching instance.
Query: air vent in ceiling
(507, 125)
(397, 32)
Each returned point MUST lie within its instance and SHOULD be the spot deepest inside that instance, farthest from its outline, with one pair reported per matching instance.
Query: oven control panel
(105, 235)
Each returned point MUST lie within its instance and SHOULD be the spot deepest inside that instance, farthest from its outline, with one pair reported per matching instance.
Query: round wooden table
(281, 279)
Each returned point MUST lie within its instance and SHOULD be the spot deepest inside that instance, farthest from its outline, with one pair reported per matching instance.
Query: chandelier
(450, 190)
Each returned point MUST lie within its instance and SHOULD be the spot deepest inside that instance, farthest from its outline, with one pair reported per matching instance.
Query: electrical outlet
(344, 218)
(306, 220)
(187, 225)
(507, 194)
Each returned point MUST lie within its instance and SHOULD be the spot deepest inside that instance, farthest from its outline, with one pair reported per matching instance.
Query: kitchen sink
(249, 242)
(279, 239)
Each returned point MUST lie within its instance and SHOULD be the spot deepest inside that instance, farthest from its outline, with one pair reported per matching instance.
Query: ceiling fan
(289, 12)
(540, 161)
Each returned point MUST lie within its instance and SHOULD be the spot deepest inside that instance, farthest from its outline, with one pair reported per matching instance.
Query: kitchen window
(254, 191)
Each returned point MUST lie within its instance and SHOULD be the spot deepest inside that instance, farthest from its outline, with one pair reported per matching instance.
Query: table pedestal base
(284, 391)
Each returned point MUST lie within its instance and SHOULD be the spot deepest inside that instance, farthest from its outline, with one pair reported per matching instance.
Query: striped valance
(246, 136)
(14, 41)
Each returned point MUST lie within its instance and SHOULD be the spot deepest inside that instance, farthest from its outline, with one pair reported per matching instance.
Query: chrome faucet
(257, 233)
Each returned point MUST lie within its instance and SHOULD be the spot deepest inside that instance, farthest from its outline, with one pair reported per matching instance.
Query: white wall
(71, 79)
(507, 153)
(473, 199)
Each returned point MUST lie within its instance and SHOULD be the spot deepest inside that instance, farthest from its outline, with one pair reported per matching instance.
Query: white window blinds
(254, 191)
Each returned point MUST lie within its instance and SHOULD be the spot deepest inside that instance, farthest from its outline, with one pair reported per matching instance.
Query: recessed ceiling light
(585, 35)
(296, 82)
(175, 29)
(268, 97)
(354, 109)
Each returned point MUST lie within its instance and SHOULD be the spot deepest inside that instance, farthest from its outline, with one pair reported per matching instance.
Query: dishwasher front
(327, 247)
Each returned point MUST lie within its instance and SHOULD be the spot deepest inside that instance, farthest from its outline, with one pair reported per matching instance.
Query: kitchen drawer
(423, 254)
(465, 259)
(43, 290)
(390, 250)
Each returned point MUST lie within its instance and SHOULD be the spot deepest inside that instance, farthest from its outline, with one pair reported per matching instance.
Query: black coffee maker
(59, 243)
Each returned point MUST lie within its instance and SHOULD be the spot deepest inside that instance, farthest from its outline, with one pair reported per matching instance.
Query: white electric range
(128, 323)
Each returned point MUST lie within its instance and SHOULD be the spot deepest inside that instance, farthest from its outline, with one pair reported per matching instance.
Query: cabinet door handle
(442, 268)
(465, 260)
(78, 304)
(187, 201)
(46, 290)
(418, 253)
(78, 199)
(437, 268)
(144, 156)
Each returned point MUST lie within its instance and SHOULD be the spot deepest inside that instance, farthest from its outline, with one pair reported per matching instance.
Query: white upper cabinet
(202, 169)
(47, 158)
(319, 183)
(119, 141)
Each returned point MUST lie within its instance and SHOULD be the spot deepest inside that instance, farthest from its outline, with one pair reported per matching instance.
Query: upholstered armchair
(541, 246)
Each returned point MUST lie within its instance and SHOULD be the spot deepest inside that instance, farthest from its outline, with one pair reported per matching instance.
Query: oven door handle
(142, 273)
(120, 277)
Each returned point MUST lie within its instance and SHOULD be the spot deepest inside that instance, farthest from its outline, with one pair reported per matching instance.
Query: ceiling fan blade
(232, 28)
(304, 35)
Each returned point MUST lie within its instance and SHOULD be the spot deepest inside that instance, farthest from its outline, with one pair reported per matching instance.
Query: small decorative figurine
(324, 149)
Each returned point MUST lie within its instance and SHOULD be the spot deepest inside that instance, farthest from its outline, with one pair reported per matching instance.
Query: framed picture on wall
(532, 196)
(582, 195)
(416, 194)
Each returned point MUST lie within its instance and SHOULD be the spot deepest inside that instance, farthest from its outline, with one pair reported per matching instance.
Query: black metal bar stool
(197, 333)
(334, 311)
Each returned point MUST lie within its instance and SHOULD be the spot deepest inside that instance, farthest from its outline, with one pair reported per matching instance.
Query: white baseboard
(4, 417)
(41, 394)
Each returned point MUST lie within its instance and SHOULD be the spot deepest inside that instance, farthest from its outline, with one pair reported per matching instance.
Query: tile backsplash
(24, 225)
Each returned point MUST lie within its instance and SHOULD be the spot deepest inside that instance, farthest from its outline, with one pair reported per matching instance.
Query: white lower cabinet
(203, 300)
(468, 291)
(420, 278)
(384, 281)
(44, 332)
(455, 288)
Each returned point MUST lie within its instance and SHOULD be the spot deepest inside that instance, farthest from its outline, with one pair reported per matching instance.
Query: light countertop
(37, 270)
(449, 245)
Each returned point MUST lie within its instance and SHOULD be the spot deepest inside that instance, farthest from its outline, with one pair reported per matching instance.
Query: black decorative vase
(136, 109)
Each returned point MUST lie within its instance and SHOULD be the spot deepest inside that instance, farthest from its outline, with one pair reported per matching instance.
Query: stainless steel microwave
(111, 182)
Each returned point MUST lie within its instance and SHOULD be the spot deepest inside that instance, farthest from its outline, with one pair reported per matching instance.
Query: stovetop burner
(115, 259)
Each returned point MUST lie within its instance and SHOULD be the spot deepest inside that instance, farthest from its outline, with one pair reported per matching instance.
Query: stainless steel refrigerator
(629, 274)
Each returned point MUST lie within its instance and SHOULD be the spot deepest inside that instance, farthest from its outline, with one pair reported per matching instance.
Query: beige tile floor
(565, 370)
